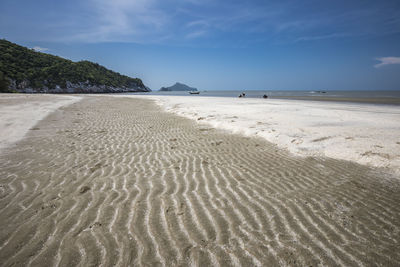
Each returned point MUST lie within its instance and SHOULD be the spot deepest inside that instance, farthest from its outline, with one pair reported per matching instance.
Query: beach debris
(321, 139)
(265, 96)
(84, 189)
(200, 118)
(49, 205)
(96, 224)
(173, 140)
(217, 143)
(297, 141)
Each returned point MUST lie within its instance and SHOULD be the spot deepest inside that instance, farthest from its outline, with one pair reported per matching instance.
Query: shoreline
(387, 98)
(364, 133)
(366, 100)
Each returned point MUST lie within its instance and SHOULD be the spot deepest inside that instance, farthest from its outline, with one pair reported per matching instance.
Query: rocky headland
(25, 70)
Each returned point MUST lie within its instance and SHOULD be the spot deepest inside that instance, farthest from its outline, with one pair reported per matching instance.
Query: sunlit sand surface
(118, 181)
(368, 134)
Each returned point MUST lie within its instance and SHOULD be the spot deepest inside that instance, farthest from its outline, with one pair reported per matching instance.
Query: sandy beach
(19, 113)
(104, 181)
(367, 134)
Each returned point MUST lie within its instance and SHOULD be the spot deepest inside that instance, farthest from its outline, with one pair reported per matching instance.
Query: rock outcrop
(76, 88)
(178, 87)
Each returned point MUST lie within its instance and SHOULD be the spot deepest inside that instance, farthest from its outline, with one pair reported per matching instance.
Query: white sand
(365, 133)
(19, 113)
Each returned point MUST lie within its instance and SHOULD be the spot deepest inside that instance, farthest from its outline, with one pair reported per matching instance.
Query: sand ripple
(111, 181)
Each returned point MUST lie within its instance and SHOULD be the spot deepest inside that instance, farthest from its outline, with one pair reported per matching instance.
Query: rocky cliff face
(76, 88)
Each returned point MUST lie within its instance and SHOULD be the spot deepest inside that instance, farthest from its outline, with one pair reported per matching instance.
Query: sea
(371, 97)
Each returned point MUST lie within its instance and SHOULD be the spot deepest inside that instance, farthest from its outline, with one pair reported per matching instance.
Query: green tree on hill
(40, 70)
(4, 83)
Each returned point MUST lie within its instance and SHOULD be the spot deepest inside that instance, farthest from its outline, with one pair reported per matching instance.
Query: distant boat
(194, 92)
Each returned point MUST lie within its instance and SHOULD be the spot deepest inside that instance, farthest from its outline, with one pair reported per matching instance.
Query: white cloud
(196, 34)
(321, 37)
(387, 61)
(124, 20)
(196, 23)
(40, 49)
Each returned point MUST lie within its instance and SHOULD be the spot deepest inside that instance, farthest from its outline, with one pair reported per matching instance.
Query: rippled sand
(116, 181)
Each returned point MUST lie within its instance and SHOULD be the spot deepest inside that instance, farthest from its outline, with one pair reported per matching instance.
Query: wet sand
(117, 181)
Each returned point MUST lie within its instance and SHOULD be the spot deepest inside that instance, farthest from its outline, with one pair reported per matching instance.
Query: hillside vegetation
(178, 87)
(23, 69)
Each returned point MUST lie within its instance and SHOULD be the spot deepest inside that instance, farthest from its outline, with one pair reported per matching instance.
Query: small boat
(194, 92)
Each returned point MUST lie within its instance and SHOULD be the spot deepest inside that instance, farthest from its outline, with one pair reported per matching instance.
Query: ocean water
(377, 97)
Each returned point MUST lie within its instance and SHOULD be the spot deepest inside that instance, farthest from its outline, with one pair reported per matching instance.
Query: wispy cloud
(202, 23)
(121, 20)
(40, 49)
(321, 37)
(179, 21)
(196, 34)
(387, 61)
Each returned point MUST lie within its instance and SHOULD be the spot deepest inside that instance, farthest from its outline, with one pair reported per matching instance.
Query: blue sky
(221, 45)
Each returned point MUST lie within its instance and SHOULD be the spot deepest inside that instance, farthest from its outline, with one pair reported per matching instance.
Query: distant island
(24, 70)
(178, 87)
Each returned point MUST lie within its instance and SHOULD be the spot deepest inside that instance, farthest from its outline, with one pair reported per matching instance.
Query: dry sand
(117, 181)
(19, 113)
